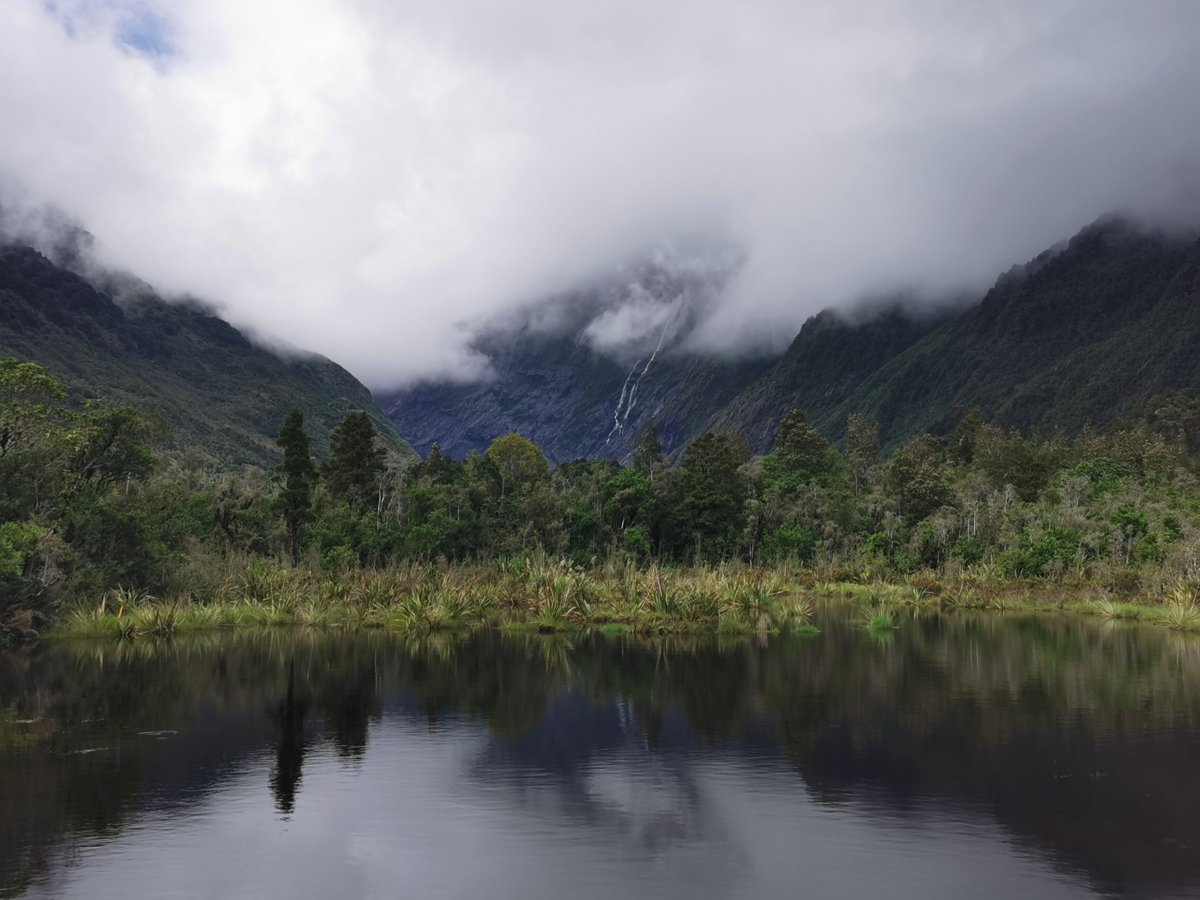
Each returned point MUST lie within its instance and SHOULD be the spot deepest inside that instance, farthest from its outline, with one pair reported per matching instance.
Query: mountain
(218, 391)
(825, 363)
(1084, 332)
(571, 400)
(584, 374)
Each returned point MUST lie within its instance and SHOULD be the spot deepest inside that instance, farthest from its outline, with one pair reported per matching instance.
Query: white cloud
(362, 177)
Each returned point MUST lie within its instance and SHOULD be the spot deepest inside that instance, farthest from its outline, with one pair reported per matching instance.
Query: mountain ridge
(1080, 333)
(1033, 353)
(220, 392)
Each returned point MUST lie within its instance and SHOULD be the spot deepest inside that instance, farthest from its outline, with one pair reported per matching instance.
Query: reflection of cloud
(588, 772)
(406, 822)
(655, 807)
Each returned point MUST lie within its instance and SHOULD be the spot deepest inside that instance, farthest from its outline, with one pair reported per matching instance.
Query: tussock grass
(1104, 606)
(879, 618)
(533, 592)
(538, 593)
(1181, 617)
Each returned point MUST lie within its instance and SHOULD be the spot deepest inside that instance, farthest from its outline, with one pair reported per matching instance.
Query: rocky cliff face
(584, 374)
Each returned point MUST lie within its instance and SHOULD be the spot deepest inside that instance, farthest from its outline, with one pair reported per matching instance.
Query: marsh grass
(878, 616)
(1181, 616)
(537, 593)
(1106, 607)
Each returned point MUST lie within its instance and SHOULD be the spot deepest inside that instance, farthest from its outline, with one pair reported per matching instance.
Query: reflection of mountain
(1067, 743)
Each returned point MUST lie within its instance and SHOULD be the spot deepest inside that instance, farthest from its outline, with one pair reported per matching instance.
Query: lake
(966, 755)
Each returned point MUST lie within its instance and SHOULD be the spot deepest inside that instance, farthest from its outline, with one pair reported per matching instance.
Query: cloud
(375, 179)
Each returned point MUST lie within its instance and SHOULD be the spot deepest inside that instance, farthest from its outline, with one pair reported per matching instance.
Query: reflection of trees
(347, 685)
(289, 757)
(999, 711)
(505, 681)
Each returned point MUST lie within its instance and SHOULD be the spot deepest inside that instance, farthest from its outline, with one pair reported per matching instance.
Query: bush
(797, 542)
(1036, 557)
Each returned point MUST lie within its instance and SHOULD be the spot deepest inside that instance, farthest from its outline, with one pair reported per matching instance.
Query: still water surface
(963, 756)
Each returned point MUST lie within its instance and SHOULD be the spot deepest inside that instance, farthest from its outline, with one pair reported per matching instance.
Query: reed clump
(539, 593)
(532, 592)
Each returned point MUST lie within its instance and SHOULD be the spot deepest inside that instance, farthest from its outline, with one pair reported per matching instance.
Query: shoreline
(549, 597)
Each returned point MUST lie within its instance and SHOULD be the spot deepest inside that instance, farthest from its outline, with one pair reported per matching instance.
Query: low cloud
(376, 180)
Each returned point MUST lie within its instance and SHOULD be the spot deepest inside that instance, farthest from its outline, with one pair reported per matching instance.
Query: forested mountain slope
(1085, 332)
(1081, 334)
(826, 362)
(217, 391)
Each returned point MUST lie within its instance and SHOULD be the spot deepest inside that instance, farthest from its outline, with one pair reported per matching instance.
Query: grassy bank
(537, 593)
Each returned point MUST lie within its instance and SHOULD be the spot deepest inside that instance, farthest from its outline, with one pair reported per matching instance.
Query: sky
(376, 180)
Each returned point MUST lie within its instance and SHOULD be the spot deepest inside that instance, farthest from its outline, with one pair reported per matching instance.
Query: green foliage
(706, 499)
(1105, 474)
(637, 542)
(85, 511)
(790, 542)
(27, 392)
(800, 447)
(917, 479)
(18, 542)
(1009, 459)
(1037, 556)
(297, 474)
(355, 467)
(648, 459)
(519, 461)
(964, 440)
(862, 450)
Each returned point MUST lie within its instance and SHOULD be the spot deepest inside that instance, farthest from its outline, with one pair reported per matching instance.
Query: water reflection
(994, 756)
(289, 758)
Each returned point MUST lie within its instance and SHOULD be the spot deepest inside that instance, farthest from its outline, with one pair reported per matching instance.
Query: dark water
(960, 756)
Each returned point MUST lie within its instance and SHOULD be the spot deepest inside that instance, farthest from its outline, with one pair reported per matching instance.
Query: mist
(378, 181)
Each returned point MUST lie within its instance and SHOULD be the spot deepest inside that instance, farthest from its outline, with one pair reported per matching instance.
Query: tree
(1176, 418)
(916, 478)
(298, 475)
(519, 460)
(107, 446)
(355, 467)
(1009, 459)
(648, 458)
(964, 440)
(862, 448)
(708, 496)
(33, 445)
(800, 446)
(27, 392)
(628, 500)
(437, 467)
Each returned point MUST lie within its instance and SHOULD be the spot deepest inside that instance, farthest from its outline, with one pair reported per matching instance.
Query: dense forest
(87, 508)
